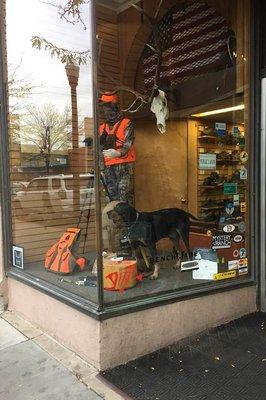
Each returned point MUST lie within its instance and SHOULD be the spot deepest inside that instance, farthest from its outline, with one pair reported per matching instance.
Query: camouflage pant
(119, 181)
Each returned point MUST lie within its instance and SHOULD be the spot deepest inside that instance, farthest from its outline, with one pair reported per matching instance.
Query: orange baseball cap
(109, 98)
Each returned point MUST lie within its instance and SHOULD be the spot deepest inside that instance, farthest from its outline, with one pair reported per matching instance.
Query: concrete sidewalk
(33, 366)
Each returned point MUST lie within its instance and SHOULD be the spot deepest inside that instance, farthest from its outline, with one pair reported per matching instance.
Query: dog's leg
(152, 248)
(175, 241)
(185, 238)
(156, 271)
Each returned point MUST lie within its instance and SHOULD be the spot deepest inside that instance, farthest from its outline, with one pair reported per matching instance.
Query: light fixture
(220, 111)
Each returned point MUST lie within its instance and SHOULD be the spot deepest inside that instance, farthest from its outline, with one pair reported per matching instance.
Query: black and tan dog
(147, 228)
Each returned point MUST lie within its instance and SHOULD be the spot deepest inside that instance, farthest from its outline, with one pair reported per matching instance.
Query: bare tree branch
(18, 88)
(70, 12)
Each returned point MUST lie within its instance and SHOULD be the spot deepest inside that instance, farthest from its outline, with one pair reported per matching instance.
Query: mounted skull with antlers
(157, 97)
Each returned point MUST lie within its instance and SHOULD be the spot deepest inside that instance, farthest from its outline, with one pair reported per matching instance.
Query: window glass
(174, 136)
(56, 183)
(37, 184)
(51, 146)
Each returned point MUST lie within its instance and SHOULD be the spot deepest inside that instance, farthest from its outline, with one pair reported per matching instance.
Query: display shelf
(212, 208)
(220, 139)
(228, 162)
(225, 168)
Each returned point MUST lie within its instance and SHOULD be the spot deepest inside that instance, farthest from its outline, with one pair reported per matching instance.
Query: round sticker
(235, 253)
(241, 227)
(228, 228)
(243, 156)
(238, 238)
(242, 253)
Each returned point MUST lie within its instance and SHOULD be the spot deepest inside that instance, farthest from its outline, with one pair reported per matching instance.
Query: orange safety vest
(120, 132)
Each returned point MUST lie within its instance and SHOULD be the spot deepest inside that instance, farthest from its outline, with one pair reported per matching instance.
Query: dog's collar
(134, 223)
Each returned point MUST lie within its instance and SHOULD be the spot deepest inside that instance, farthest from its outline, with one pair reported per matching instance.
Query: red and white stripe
(199, 43)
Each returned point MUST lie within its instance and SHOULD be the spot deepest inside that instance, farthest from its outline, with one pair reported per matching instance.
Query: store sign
(220, 128)
(207, 161)
(221, 242)
(18, 257)
(230, 188)
(224, 275)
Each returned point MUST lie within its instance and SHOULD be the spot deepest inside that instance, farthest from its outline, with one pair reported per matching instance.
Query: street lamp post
(72, 71)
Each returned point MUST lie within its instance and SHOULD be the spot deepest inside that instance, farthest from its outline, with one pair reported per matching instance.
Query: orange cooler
(119, 275)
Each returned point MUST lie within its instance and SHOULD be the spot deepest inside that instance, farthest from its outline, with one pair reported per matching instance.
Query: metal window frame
(4, 147)
(104, 310)
(263, 197)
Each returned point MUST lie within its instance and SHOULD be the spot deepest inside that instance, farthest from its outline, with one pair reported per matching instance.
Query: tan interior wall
(161, 166)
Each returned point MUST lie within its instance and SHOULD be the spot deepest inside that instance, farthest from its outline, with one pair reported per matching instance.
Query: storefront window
(169, 209)
(51, 143)
(174, 136)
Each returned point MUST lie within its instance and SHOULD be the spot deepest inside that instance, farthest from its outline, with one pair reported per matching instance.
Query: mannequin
(118, 153)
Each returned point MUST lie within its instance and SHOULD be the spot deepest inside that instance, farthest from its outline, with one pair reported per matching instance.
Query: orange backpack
(61, 258)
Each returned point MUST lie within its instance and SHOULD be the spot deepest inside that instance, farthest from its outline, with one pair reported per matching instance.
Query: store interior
(199, 164)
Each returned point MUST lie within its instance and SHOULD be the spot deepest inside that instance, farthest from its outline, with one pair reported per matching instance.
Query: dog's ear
(127, 212)
(110, 214)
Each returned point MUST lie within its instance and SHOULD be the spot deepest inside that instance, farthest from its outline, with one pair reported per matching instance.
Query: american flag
(193, 38)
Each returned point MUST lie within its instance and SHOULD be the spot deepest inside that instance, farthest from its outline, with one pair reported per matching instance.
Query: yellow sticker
(243, 207)
(224, 275)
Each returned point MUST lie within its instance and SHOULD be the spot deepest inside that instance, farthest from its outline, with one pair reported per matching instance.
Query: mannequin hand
(111, 153)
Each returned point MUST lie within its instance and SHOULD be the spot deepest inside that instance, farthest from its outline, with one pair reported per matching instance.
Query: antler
(123, 88)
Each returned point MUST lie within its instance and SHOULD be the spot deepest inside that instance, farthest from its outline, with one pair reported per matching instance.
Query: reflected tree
(46, 128)
(70, 10)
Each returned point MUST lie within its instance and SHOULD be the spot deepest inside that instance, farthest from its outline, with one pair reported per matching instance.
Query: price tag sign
(235, 131)
(220, 128)
(230, 188)
(207, 161)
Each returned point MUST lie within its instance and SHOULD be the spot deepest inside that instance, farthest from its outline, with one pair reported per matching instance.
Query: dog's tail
(192, 217)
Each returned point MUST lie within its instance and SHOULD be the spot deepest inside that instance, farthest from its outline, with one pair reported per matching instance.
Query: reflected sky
(36, 18)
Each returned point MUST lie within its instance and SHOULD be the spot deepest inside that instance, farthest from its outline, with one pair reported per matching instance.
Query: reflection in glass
(51, 165)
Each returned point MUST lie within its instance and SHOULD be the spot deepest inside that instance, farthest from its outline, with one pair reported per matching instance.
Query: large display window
(142, 189)
(178, 106)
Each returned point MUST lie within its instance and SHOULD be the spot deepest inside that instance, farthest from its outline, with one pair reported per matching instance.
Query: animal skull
(160, 109)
